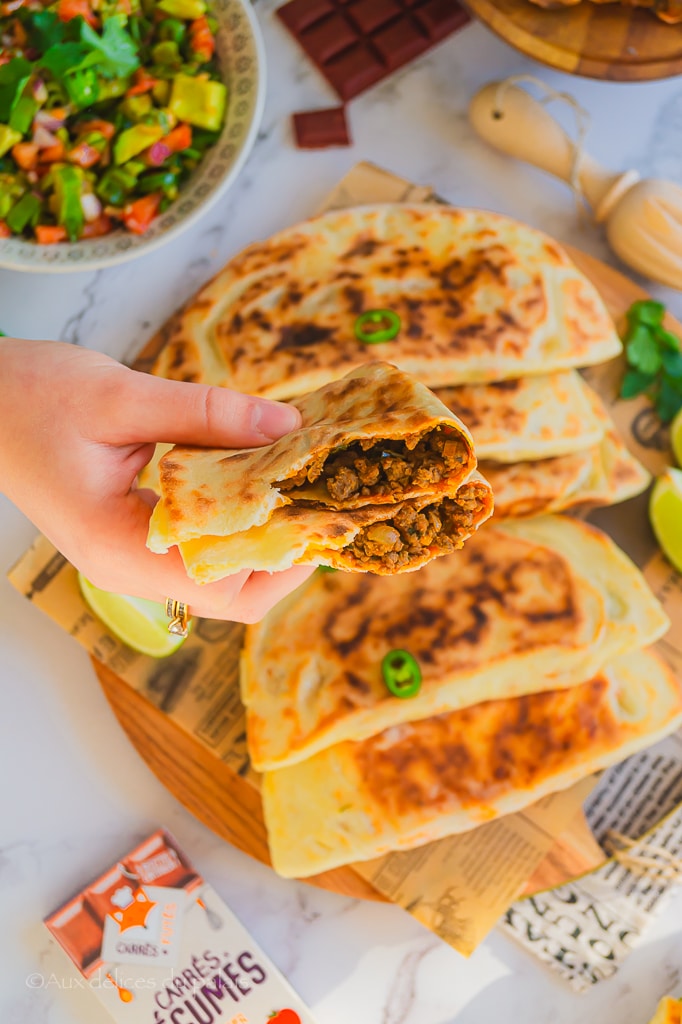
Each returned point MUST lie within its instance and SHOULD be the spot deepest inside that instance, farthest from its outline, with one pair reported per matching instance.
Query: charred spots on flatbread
(302, 335)
(355, 298)
(365, 247)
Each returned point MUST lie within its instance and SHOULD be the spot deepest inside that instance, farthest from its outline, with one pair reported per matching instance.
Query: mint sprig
(654, 359)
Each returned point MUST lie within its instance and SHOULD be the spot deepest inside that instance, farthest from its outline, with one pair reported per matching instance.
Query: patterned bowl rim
(26, 262)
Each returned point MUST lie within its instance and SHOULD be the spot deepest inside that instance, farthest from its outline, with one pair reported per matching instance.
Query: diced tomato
(4, 230)
(142, 82)
(84, 155)
(180, 138)
(105, 128)
(67, 10)
(26, 155)
(99, 227)
(201, 39)
(19, 34)
(50, 154)
(138, 216)
(49, 234)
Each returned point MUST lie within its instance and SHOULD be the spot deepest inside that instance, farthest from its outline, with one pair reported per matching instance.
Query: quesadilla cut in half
(421, 781)
(383, 539)
(528, 606)
(529, 417)
(376, 436)
(475, 296)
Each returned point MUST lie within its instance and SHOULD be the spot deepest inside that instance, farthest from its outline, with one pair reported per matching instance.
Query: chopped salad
(106, 108)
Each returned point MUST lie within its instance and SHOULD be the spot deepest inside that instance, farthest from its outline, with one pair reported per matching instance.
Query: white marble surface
(74, 793)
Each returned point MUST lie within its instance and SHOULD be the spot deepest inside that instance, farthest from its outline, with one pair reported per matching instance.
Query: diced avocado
(136, 107)
(198, 101)
(133, 140)
(8, 138)
(188, 9)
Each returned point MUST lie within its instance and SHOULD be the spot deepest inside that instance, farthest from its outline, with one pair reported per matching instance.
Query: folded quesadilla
(528, 418)
(475, 295)
(528, 606)
(383, 539)
(603, 475)
(377, 437)
(421, 781)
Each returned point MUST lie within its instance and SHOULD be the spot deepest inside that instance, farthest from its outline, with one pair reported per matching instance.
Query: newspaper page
(454, 886)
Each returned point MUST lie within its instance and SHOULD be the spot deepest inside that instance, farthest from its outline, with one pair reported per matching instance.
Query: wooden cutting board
(598, 40)
(231, 807)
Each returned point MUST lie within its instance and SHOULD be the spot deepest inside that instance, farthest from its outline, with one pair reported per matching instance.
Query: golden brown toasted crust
(420, 781)
(530, 606)
(479, 296)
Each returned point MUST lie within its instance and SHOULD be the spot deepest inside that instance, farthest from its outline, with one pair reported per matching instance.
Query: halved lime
(139, 623)
(665, 513)
(676, 437)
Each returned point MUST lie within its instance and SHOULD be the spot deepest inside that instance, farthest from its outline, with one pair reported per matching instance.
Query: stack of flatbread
(533, 641)
(493, 316)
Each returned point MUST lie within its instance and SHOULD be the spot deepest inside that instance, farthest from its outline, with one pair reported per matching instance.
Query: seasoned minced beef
(387, 468)
(402, 539)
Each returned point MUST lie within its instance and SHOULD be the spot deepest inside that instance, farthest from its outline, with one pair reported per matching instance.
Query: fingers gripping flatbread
(368, 444)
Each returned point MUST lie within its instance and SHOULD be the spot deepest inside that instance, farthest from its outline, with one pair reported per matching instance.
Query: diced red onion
(157, 154)
(91, 206)
(46, 119)
(39, 90)
(43, 138)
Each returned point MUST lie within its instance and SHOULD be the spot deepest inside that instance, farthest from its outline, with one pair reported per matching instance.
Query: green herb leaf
(646, 311)
(666, 339)
(64, 59)
(115, 48)
(668, 400)
(642, 351)
(46, 30)
(13, 79)
(636, 383)
(672, 363)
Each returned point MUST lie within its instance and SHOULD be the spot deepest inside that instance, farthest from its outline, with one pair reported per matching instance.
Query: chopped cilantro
(654, 359)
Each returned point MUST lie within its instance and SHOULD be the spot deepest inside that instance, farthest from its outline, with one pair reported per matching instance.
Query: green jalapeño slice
(401, 673)
(376, 326)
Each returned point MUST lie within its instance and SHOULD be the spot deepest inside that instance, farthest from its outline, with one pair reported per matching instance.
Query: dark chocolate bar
(357, 43)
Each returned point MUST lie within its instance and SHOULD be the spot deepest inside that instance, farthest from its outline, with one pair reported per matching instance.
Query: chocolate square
(299, 15)
(354, 71)
(441, 17)
(369, 15)
(400, 43)
(324, 41)
(319, 129)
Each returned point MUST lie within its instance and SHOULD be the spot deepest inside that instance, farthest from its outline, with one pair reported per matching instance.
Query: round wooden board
(598, 40)
(231, 807)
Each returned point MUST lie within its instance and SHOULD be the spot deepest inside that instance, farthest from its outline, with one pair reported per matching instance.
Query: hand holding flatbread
(380, 477)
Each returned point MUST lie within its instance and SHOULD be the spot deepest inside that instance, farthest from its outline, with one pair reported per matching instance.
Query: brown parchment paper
(457, 887)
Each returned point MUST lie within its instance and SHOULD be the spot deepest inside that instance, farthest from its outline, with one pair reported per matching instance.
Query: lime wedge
(676, 437)
(665, 513)
(140, 624)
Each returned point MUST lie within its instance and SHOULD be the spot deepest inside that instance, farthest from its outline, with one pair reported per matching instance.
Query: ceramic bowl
(241, 58)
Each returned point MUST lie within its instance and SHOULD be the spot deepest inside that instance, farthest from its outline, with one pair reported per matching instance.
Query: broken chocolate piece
(318, 129)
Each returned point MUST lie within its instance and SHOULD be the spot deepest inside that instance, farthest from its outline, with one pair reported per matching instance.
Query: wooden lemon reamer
(643, 219)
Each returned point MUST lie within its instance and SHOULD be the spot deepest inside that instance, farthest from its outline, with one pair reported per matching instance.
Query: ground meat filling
(404, 538)
(387, 468)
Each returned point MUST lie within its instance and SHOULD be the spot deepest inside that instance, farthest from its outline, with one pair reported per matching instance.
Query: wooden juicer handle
(509, 119)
